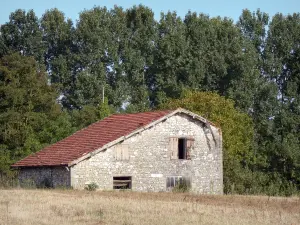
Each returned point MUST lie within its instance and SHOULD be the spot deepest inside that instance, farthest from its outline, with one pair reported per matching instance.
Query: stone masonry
(45, 176)
(149, 160)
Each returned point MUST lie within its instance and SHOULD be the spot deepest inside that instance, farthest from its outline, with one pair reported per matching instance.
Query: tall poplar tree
(22, 34)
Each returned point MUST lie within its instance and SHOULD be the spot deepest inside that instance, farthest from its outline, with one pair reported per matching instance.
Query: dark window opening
(182, 148)
(122, 182)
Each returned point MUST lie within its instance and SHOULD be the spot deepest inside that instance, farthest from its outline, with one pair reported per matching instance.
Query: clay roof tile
(90, 138)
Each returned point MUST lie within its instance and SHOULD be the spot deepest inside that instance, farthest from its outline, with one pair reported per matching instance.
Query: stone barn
(150, 151)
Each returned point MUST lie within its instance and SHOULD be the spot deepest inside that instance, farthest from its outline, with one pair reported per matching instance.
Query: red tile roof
(90, 138)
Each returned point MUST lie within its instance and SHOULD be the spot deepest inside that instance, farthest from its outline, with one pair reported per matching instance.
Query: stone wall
(45, 176)
(149, 160)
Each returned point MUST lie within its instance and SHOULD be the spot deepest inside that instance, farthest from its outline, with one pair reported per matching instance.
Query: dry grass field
(125, 208)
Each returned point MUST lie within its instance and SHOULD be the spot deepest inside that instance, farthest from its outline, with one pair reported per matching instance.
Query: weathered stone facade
(45, 176)
(149, 160)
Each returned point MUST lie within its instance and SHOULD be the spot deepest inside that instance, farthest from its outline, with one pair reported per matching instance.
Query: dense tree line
(53, 74)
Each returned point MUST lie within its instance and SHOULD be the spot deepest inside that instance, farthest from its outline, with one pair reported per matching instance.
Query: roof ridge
(146, 112)
(117, 114)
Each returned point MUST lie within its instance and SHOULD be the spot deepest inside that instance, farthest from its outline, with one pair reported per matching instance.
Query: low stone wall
(45, 177)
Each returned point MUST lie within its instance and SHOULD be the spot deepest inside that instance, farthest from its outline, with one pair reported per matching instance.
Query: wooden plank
(173, 147)
(122, 181)
(125, 152)
(189, 145)
(120, 185)
(119, 152)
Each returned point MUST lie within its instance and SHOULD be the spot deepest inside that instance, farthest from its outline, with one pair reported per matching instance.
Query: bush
(91, 186)
(9, 180)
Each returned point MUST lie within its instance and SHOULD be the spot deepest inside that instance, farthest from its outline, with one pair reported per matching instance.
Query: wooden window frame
(174, 147)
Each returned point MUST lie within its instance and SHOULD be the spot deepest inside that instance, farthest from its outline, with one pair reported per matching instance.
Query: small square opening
(122, 182)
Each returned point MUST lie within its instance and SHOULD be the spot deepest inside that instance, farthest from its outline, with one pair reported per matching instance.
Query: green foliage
(253, 27)
(85, 116)
(10, 179)
(58, 34)
(169, 67)
(22, 34)
(141, 63)
(282, 54)
(3, 47)
(30, 118)
(91, 187)
(100, 39)
(88, 89)
(90, 114)
(103, 109)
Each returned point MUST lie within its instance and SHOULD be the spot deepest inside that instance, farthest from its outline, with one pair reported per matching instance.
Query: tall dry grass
(125, 208)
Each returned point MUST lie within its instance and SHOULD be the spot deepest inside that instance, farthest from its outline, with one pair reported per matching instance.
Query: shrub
(9, 180)
(91, 186)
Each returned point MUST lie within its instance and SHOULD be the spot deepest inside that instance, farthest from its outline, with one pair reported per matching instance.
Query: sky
(229, 8)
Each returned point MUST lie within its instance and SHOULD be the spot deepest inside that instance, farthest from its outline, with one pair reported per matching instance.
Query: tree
(30, 117)
(22, 34)
(89, 114)
(103, 109)
(282, 55)
(254, 28)
(100, 40)
(58, 36)
(138, 55)
(215, 53)
(169, 70)
(3, 47)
